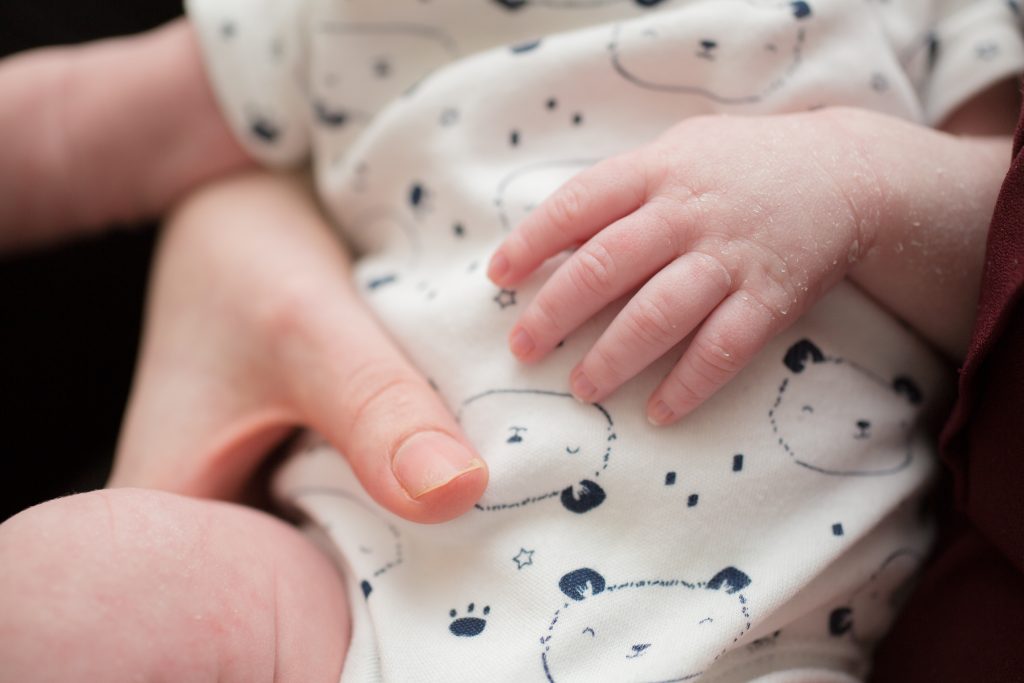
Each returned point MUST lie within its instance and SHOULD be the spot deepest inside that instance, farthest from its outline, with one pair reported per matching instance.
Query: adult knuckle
(291, 312)
(379, 387)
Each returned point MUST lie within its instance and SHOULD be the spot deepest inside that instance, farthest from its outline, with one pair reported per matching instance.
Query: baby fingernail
(498, 267)
(521, 342)
(430, 460)
(660, 414)
(582, 387)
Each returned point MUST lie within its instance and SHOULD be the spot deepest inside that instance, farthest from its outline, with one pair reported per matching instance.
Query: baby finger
(662, 313)
(611, 264)
(576, 211)
(730, 337)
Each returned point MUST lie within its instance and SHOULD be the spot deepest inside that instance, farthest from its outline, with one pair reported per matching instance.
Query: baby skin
(123, 585)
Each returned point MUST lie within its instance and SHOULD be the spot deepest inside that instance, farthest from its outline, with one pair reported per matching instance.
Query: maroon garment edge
(965, 621)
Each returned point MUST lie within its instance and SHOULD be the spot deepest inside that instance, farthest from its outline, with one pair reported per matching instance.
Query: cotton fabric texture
(770, 535)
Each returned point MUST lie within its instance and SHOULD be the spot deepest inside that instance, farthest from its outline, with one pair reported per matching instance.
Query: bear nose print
(863, 424)
(708, 45)
(640, 647)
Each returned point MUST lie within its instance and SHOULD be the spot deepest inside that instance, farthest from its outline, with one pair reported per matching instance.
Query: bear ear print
(591, 495)
(797, 355)
(581, 583)
(801, 10)
(840, 621)
(731, 579)
(907, 387)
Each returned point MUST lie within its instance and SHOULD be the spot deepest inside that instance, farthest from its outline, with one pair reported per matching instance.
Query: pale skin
(734, 253)
(248, 266)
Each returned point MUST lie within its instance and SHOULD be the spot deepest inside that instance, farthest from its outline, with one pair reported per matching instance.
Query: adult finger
(350, 382)
(343, 376)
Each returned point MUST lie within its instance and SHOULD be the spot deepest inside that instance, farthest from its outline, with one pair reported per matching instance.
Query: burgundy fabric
(965, 621)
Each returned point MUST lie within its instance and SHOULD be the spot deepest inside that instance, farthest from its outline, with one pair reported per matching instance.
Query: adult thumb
(350, 382)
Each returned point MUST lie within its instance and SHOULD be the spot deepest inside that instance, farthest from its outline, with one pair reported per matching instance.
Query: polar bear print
(834, 417)
(539, 446)
(870, 610)
(522, 190)
(371, 544)
(730, 55)
(643, 631)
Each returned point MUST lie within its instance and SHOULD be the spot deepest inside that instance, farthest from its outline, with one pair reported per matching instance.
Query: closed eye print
(572, 451)
(592, 632)
(705, 620)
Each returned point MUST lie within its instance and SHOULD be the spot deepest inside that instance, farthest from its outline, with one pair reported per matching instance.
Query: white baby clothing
(766, 537)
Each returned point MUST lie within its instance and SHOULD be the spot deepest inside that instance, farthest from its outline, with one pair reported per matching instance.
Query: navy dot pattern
(435, 127)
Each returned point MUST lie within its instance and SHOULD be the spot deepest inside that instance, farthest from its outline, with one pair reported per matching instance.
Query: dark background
(69, 316)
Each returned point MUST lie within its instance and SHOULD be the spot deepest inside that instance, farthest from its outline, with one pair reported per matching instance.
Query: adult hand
(253, 329)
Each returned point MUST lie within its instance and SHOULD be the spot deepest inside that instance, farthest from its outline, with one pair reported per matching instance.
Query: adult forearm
(107, 132)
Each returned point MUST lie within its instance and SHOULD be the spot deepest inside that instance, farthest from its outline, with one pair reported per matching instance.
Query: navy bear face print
(732, 52)
(643, 631)
(523, 190)
(872, 608)
(539, 446)
(834, 417)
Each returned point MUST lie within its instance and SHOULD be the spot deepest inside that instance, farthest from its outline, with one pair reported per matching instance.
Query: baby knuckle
(606, 367)
(564, 208)
(712, 361)
(711, 267)
(593, 270)
(773, 305)
(650, 324)
(679, 390)
(543, 319)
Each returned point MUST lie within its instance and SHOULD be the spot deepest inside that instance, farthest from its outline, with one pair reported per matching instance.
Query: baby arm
(115, 130)
(733, 227)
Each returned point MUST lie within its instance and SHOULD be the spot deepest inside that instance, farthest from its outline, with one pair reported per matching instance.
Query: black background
(69, 316)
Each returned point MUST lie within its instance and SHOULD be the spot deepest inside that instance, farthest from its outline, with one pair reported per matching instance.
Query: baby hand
(731, 228)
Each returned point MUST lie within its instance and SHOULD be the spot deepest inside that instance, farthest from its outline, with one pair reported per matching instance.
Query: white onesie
(769, 535)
